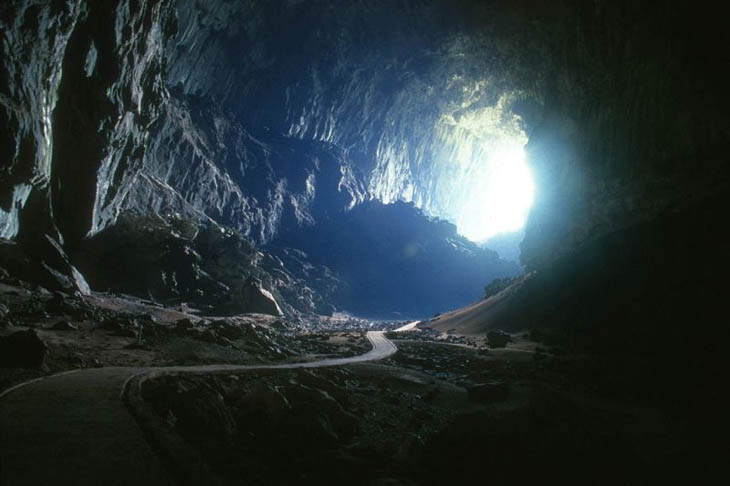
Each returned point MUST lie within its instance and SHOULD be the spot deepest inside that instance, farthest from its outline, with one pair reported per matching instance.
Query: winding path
(73, 428)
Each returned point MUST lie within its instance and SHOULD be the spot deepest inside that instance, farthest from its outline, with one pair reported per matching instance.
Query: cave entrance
(499, 197)
(484, 183)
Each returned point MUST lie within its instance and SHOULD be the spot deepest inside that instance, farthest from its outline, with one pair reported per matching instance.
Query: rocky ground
(43, 333)
(444, 408)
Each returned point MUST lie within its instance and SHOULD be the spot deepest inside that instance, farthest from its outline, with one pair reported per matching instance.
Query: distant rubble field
(44, 332)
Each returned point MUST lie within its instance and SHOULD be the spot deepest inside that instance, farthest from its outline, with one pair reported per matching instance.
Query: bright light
(471, 170)
(500, 199)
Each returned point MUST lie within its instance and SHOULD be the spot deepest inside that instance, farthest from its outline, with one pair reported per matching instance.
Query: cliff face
(94, 131)
(197, 108)
(409, 90)
(82, 85)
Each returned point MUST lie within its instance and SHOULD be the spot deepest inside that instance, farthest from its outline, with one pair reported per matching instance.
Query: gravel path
(73, 428)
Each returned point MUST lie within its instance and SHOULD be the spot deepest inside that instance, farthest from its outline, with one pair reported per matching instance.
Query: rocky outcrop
(259, 300)
(47, 265)
(172, 259)
(22, 349)
(81, 86)
(303, 111)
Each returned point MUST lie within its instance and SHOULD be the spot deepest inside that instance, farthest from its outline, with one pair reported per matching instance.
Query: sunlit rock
(257, 299)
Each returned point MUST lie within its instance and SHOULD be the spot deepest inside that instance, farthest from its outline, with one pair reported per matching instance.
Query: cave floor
(444, 408)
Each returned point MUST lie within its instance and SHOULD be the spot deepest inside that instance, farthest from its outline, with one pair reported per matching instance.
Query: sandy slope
(473, 319)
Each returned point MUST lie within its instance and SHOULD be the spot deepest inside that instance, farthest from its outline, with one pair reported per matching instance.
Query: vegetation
(496, 286)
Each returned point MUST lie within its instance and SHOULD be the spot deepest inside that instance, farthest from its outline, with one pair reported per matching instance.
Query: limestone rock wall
(272, 116)
(82, 84)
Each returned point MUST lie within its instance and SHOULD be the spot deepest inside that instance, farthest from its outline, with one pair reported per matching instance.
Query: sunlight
(500, 198)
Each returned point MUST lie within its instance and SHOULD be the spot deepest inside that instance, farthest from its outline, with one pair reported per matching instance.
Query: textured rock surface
(174, 259)
(276, 116)
(395, 102)
(407, 89)
(82, 83)
(260, 300)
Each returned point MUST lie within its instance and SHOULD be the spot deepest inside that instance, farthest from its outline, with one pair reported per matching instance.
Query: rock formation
(304, 111)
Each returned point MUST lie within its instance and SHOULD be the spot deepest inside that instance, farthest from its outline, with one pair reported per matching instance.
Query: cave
(371, 242)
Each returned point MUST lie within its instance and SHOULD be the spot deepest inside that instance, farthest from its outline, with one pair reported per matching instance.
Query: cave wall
(109, 136)
(262, 117)
(183, 107)
(408, 89)
(635, 122)
(82, 85)
(34, 41)
(620, 100)
(625, 113)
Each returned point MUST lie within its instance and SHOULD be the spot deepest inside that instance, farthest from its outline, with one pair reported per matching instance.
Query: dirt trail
(73, 428)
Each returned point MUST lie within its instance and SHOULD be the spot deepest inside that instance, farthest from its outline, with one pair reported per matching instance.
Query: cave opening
(500, 193)
(512, 210)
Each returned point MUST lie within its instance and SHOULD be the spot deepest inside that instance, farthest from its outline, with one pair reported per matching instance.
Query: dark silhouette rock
(22, 349)
(64, 326)
(198, 409)
(57, 303)
(184, 325)
(498, 339)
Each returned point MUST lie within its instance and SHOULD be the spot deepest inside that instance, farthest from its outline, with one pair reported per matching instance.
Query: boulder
(64, 326)
(498, 339)
(228, 330)
(258, 300)
(57, 303)
(184, 325)
(209, 336)
(199, 409)
(22, 349)
(60, 269)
